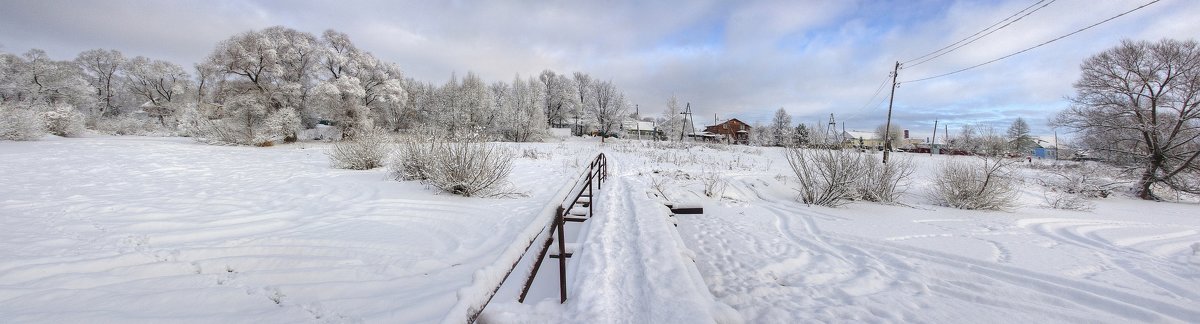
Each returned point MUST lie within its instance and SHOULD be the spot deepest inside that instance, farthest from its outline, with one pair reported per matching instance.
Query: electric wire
(1035, 46)
(984, 35)
(975, 34)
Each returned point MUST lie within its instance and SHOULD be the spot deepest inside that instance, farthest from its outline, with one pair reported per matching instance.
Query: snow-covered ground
(131, 229)
(134, 229)
(776, 260)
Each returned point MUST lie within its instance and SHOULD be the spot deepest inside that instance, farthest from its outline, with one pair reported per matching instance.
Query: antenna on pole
(831, 130)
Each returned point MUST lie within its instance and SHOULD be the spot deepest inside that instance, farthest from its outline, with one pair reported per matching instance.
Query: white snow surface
(776, 260)
(129, 229)
(134, 229)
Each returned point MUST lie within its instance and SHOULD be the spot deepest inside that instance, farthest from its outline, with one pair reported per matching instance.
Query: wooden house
(733, 130)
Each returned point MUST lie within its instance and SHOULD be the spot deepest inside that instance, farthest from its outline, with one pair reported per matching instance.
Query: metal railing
(584, 186)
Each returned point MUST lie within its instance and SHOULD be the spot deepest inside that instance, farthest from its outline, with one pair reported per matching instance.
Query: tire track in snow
(1084, 234)
(946, 275)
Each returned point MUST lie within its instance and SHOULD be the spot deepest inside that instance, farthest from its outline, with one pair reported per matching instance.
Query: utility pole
(687, 112)
(831, 130)
(887, 128)
(1056, 146)
(933, 143)
(637, 119)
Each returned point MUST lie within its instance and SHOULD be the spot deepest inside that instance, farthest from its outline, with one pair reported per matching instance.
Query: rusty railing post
(562, 262)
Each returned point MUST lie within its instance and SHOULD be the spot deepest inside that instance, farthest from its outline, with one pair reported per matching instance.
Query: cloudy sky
(742, 59)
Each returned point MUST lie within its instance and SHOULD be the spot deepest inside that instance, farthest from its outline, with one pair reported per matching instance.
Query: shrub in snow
(885, 182)
(1067, 201)
(63, 120)
(464, 165)
(826, 177)
(125, 125)
(985, 185)
(1071, 186)
(362, 151)
(246, 121)
(714, 185)
(415, 158)
(20, 123)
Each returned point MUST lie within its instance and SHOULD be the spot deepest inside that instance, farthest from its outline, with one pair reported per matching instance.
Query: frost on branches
(20, 123)
(462, 165)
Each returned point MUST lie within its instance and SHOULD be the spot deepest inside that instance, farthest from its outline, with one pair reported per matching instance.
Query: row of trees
(267, 85)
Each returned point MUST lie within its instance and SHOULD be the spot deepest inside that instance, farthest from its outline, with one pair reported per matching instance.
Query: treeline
(271, 85)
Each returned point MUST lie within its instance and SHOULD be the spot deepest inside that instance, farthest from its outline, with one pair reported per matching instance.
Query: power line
(869, 101)
(984, 35)
(1038, 45)
(975, 34)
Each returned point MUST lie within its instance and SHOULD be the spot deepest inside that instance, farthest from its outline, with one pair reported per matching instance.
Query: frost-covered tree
(273, 69)
(896, 134)
(803, 137)
(966, 140)
(340, 100)
(159, 85)
(1018, 136)
(781, 128)
(102, 68)
(583, 82)
(671, 123)
(382, 83)
(557, 90)
(609, 106)
(761, 135)
(1138, 105)
(992, 142)
(521, 114)
(19, 122)
(35, 77)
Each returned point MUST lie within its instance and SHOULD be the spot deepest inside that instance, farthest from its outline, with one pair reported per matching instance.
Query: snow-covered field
(133, 229)
(776, 260)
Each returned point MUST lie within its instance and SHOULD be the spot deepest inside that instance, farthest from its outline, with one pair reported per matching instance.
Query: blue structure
(1044, 153)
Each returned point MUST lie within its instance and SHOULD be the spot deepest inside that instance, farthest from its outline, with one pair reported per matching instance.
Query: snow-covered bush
(125, 125)
(246, 121)
(363, 151)
(18, 123)
(464, 165)
(885, 182)
(1072, 186)
(415, 159)
(1067, 201)
(62, 120)
(714, 184)
(826, 177)
(985, 185)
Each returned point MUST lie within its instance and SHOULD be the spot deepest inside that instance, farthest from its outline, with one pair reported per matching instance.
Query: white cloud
(734, 59)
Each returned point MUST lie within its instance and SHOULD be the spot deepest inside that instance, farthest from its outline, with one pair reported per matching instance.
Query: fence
(569, 210)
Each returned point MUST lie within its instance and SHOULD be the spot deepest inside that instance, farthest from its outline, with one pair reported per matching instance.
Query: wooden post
(887, 128)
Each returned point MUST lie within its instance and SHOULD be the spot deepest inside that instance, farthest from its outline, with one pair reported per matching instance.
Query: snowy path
(632, 268)
(131, 229)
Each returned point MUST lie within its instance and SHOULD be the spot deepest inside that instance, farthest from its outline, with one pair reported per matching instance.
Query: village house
(640, 129)
(732, 131)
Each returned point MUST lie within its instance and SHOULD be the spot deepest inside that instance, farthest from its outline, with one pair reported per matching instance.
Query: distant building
(634, 129)
(1045, 148)
(861, 139)
(733, 131)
